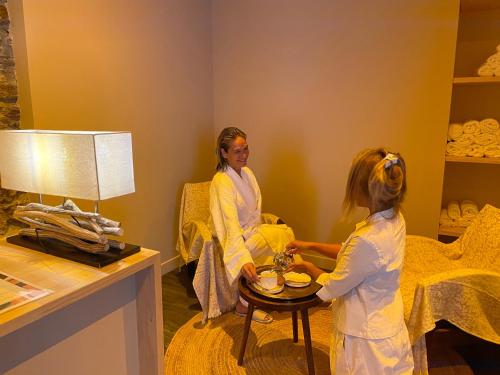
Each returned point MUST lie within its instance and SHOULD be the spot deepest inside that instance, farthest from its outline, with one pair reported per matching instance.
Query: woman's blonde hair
(380, 177)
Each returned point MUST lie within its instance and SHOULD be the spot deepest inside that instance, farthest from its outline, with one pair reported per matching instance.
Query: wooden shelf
(475, 80)
(470, 159)
(479, 5)
(450, 231)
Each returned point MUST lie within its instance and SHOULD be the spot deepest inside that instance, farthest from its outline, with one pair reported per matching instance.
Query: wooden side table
(301, 304)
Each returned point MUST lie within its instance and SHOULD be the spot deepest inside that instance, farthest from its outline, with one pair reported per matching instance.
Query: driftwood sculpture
(67, 223)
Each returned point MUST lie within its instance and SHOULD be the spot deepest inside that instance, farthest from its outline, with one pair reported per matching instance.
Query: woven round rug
(213, 348)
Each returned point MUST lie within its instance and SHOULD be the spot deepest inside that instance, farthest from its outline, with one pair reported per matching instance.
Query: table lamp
(92, 165)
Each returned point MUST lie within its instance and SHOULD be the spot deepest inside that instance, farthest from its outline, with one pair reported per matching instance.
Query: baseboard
(170, 265)
(320, 261)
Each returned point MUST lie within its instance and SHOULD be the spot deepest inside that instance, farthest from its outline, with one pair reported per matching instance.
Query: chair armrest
(195, 235)
(268, 218)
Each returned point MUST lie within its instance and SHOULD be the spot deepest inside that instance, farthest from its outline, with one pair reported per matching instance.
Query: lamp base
(66, 251)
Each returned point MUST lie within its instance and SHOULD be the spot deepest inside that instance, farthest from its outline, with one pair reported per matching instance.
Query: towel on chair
(476, 151)
(471, 127)
(454, 210)
(492, 151)
(488, 125)
(468, 209)
(454, 131)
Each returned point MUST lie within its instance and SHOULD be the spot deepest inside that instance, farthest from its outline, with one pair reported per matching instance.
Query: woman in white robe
(369, 335)
(235, 216)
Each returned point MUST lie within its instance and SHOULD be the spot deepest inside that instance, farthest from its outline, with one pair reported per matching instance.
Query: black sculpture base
(66, 251)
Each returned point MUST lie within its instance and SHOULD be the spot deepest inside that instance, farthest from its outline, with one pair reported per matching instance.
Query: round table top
(305, 297)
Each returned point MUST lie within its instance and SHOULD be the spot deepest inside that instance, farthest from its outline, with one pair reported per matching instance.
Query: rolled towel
(466, 139)
(476, 151)
(444, 219)
(496, 70)
(485, 139)
(455, 149)
(486, 70)
(454, 131)
(454, 210)
(468, 209)
(462, 222)
(488, 125)
(497, 134)
(492, 151)
(493, 59)
(471, 127)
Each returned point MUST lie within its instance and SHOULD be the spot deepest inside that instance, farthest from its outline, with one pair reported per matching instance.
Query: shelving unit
(476, 98)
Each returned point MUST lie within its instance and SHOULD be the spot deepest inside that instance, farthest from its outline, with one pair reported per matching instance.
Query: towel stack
(492, 65)
(474, 138)
(458, 214)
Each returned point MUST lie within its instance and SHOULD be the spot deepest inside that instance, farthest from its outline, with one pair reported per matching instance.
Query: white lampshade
(75, 164)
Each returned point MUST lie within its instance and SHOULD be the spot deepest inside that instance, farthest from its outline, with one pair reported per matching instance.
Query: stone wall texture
(9, 111)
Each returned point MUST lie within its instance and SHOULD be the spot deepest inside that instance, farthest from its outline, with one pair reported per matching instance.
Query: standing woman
(235, 216)
(370, 335)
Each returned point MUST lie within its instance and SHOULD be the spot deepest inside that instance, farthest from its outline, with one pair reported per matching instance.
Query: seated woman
(235, 216)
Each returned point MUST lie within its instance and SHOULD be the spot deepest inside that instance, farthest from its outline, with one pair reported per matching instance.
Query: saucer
(278, 289)
(297, 285)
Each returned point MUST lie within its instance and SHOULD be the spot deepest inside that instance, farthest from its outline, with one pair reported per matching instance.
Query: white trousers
(356, 355)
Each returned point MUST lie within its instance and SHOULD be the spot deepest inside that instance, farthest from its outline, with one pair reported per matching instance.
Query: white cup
(268, 279)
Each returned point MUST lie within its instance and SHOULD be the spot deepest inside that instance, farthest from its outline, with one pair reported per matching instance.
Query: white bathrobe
(235, 220)
(370, 336)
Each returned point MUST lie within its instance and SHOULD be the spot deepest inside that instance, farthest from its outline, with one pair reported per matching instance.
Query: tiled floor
(450, 351)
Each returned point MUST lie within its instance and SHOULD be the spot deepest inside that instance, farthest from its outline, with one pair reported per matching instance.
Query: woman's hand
(300, 267)
(249, 272)
(296, 247)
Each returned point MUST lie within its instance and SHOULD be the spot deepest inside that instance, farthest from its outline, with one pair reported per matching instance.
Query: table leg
(294, 325)
(307, 341)
(248, 321)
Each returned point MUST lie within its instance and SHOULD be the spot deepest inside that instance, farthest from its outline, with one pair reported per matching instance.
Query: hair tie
(391, 160)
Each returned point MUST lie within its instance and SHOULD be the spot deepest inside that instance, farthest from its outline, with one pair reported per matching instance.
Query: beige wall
(143, 66)
(314, 82)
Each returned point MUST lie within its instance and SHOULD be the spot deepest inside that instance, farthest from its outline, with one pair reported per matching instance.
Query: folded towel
(485, 139)
(454, 131)
(454, 210)
(486, 70)
(476, 151)
(488, 125)
(462, 222)
(444, 219)
(471, 127)
(468, 209)
(492, 151)
(466, 139)
(455, 149)
(494, 59)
